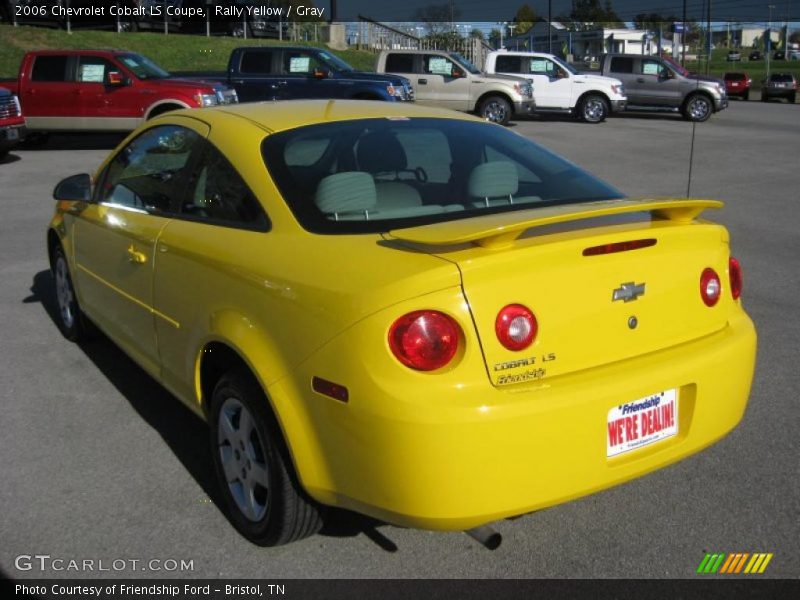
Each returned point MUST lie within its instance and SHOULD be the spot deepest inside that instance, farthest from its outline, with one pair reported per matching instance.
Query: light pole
(768, 43)
(511, 28)
(502, 31)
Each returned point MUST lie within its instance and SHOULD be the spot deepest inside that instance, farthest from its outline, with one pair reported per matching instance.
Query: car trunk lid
(606, 280)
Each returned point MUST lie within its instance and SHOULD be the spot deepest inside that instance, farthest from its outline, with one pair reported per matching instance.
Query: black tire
(131, 26)
(496, 109)
(36, 139)
(746, 95)
(3, 154)
(793, 98)
(764, 97)
(593, 109)
(71, 320)
(288, 513)
(698, 108)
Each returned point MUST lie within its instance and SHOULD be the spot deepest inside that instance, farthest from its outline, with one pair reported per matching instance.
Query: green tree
(524, 19)
(476, 34)
(494, 38)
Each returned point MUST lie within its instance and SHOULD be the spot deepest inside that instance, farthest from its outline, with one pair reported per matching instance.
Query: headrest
(350, 191)
(381, 152)
(493, 180)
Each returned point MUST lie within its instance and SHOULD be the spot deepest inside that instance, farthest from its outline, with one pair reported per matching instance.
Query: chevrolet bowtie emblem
(628, 292)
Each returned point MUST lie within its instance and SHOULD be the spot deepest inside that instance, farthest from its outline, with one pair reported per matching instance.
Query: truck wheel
(593, 109)
(698, 108)
(264, 499)
(495, 109)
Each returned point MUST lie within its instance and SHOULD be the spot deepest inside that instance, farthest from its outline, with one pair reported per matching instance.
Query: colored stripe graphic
(734, 563)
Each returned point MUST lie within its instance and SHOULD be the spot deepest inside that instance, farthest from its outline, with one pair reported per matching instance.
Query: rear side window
(49, 68)
(621, 64)
(508, 64)
(400, 63)
(257, 63)
(218, 194)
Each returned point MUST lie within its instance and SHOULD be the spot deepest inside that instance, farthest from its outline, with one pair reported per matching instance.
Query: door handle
(640, 80)
(135, 256)
(423, 82)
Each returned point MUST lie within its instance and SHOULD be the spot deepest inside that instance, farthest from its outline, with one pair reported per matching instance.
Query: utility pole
(683, 37)
(550, 25)
(768, 41)
(709, 38)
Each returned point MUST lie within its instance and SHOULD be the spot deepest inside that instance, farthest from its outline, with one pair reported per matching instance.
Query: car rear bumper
(458, 458)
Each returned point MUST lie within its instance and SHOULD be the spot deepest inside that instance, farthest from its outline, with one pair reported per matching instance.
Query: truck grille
(9, 107)
(409, 91)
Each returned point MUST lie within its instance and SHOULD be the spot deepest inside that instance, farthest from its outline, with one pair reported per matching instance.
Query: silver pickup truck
(448, 80)
(660, 84)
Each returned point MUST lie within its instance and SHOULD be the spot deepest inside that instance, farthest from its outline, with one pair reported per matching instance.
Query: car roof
(289, 114)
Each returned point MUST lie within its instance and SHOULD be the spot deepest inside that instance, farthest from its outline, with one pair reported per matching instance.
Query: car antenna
(696, 87)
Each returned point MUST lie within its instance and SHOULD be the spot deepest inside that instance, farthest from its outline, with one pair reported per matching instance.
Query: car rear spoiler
(501, 230)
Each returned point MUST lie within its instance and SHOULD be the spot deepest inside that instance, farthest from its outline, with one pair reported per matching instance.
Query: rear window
(621, 64)
(49, 68)
(734, 76)
(259, 62)
(508, 64)
(781, 77)
(400, 63)
(374, 175)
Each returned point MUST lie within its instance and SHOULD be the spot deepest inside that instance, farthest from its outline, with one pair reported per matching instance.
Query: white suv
(558, 87)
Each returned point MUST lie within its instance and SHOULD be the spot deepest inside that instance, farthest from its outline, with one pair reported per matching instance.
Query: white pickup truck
(558, 87)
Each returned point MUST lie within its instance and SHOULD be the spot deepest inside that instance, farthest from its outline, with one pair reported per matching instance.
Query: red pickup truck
(103, 90)
(12, 123)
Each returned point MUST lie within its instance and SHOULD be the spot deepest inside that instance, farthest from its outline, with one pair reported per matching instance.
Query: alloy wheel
(243, 459)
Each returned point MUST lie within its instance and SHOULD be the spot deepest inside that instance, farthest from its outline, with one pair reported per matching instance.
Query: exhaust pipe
(486, 536)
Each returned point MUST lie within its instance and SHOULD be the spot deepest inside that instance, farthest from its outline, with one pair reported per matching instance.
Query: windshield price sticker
(642, 422)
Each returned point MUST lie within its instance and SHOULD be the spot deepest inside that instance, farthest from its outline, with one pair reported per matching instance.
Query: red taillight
(735, 273)
(516, 327)
(424, 340)
(710, 287)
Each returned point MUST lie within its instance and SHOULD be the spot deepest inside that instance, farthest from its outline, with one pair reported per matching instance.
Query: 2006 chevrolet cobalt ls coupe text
(403, 311)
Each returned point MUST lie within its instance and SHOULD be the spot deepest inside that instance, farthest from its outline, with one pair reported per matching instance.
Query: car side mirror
(320, 74)
(74, 188)
(116, 79)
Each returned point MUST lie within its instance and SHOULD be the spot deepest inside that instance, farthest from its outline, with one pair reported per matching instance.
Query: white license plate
(642, 422)
(12, 134)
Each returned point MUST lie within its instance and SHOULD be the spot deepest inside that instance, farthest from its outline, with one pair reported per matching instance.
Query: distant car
(755, 55)
(738, 84)
(779, 85)
(779, 55)
(734, 56)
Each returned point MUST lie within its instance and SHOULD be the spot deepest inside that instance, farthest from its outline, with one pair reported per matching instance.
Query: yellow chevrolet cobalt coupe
(403, 311)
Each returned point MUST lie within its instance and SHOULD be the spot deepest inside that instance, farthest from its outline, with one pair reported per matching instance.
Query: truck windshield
(142, 67)
(335, 63)
(565, 65)
(375, 175)
(465, 63)
(676, 67)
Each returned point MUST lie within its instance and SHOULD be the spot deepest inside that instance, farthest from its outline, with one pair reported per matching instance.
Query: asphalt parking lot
(98, 462)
